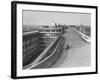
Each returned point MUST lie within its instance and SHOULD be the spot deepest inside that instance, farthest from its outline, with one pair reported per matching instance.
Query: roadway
(78, 54)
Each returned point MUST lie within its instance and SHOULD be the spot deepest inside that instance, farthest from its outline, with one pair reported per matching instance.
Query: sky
(50, 18)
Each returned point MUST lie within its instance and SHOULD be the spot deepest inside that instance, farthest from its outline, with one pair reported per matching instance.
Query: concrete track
(78, 54)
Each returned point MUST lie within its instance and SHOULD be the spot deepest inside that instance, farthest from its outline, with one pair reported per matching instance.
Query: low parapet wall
(85, 37)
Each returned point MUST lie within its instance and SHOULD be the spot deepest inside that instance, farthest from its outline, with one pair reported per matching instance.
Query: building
(31, 48)
(35, 42)
(49, 34)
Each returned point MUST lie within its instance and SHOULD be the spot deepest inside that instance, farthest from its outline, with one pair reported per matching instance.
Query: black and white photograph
(54, 39)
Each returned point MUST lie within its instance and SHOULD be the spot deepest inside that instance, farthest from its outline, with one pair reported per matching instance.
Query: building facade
(48, 34)
(31, 48)
(34, 42)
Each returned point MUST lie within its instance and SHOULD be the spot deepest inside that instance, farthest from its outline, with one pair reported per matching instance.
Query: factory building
(35, 42)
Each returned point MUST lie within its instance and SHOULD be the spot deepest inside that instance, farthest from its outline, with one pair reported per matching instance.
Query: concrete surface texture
(78, 54)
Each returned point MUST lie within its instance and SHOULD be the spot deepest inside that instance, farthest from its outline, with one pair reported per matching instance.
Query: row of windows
(50, 30)
(33, 45)
(44, 42)
(41, 43)
(29, 43)
(47, 44)
(49, 34)
(47, 39)
(27, 51)
(30, 48)
(30, 37)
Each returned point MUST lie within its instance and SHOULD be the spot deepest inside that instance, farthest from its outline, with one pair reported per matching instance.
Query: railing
(49, 55)
(85, 37)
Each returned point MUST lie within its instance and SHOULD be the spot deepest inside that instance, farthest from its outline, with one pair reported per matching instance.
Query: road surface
(78, 54)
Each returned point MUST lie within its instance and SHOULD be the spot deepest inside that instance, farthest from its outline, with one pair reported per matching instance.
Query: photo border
(14, 38)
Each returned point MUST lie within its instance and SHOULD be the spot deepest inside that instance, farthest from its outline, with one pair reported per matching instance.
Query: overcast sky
(50, 18)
